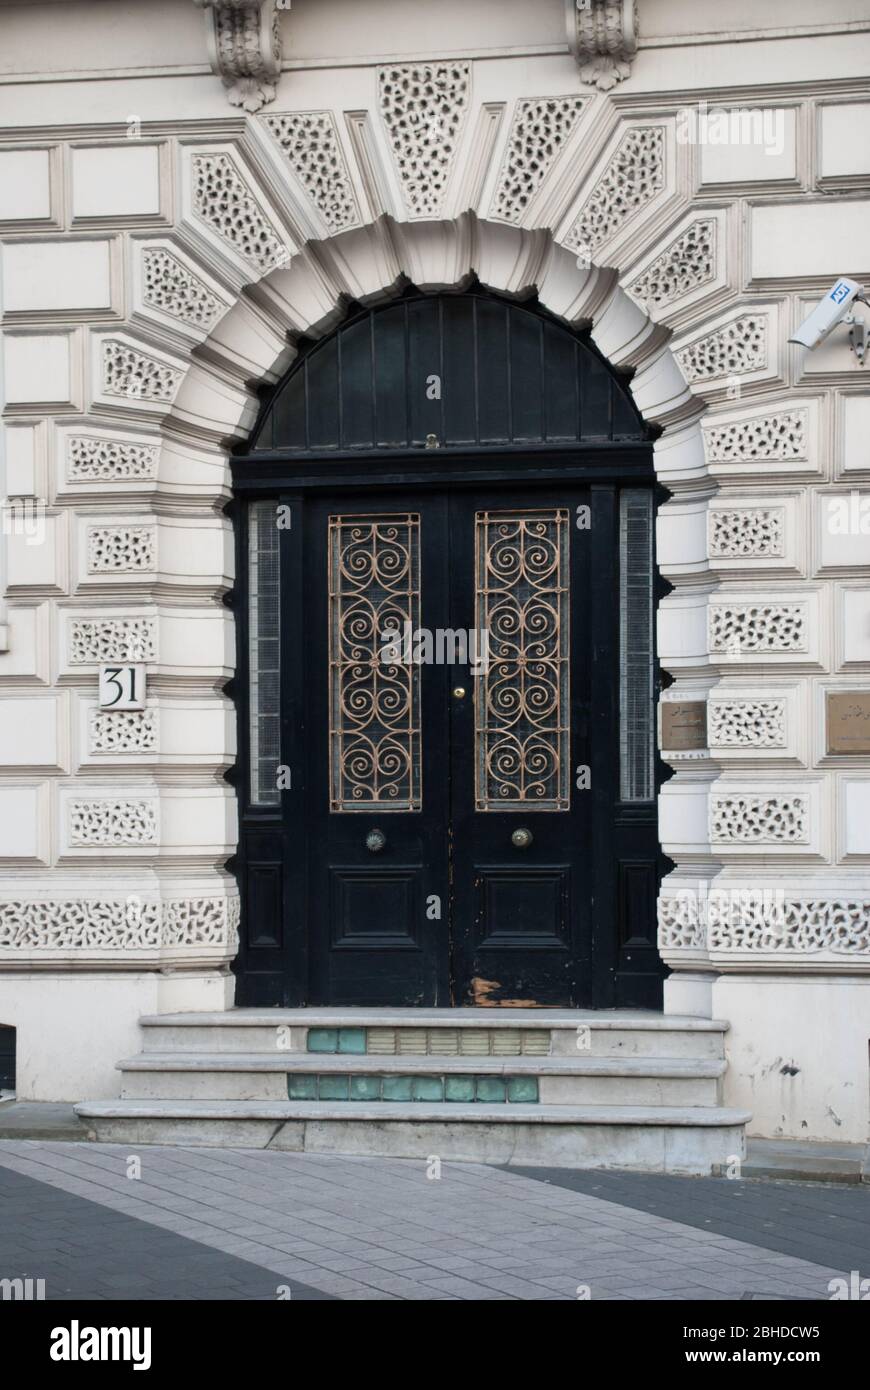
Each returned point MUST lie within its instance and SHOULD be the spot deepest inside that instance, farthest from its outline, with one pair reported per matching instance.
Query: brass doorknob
(459, 692)
(522, 838)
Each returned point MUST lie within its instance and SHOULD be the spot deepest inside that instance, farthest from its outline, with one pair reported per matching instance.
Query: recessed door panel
(376, 810)
(521, 825)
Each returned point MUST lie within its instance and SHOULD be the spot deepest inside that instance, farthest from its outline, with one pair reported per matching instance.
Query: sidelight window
(264, 653)
(636, 651)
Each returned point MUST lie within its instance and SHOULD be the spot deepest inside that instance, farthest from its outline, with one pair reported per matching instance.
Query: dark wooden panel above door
(456, 370)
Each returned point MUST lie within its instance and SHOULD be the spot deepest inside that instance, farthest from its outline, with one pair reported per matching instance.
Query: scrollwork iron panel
(374, 739)
(522, 700)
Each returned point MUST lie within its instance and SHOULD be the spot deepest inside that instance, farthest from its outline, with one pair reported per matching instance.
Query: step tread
(647, 1115)
(629, 1019)
(368, 1062)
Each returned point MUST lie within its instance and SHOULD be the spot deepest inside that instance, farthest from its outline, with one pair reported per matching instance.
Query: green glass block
(365, 1088)
(351, 1039)
(459, 1088)
(397, 1088)
(322, 1039)
(301, 1087)
(522, 1088)
(427, 1088)
(491, 1088)
(332, 1087)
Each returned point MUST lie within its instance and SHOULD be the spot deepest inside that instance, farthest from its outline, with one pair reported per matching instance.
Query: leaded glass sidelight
(264, 570)
(636, 651)
(522, 700)
(374, 701)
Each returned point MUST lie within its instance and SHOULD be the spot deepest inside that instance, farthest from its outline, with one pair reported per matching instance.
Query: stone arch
(368, 266)
(216, 401)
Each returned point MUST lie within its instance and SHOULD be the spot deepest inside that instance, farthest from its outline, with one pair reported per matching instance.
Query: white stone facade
(163, 230)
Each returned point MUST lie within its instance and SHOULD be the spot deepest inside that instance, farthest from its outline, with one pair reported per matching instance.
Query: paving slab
(37, 1119)
(360, 1229)
(83, 1251)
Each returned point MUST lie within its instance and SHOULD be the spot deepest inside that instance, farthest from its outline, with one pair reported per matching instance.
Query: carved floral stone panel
(423, 107)
(168, 285)
(540, 128)
(118, 924)
(759, 819)
(733, 350)
(93, 459)
(764, 921)
(223, 200)
(761, 627)
(632, 179)
(112, 824)
(94, 640)
(777, 435)
(122, 731)
(747, 723)
(133, 374)
(747, 532)
(310, 143)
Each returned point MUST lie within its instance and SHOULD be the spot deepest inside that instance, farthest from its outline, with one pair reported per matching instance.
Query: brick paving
(240, 1224)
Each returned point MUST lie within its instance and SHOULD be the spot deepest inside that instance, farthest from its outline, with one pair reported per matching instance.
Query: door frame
(288, 480)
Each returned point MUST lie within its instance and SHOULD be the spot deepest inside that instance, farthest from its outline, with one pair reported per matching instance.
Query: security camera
(831, 310)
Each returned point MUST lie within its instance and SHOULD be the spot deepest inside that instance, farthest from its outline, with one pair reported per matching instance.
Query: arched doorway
(446, 684)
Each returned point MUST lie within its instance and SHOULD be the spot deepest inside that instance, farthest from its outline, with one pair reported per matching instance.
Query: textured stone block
(25, 185)
(56, 275)
(116, 181)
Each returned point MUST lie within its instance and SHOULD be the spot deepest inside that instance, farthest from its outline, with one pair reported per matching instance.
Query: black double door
(452, 831)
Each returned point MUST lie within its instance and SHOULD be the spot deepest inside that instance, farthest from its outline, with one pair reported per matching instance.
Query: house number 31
(122, 687)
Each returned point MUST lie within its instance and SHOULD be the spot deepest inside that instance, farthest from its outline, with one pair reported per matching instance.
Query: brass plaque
(684, 725)
(848, 721)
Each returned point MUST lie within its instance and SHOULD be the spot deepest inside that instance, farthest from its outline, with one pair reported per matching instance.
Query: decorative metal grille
(263, 653)
(636, 653)
(522, 701)
(374, 738)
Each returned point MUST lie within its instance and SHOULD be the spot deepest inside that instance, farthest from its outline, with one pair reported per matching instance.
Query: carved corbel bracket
(244, 47)
(602, 35)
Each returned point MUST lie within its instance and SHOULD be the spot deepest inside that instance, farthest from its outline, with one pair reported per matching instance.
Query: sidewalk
(254, 1223)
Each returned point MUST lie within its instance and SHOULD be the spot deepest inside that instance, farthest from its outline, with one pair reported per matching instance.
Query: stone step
(613, 1033)
(577, 1080)
(673, 1139)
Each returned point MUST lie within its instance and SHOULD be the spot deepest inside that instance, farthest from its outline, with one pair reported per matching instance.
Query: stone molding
(602, 35)
(244, 48)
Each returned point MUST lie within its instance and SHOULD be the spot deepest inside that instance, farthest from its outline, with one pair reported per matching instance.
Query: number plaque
(122, 685)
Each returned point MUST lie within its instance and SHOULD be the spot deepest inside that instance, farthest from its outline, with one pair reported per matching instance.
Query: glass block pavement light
(467, 1089)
